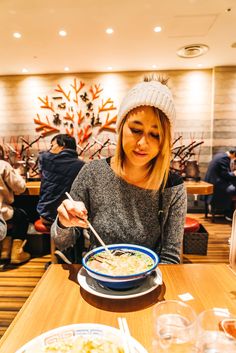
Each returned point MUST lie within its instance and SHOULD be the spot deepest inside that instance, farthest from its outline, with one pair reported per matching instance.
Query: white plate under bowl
(38, 343)
(91, 285)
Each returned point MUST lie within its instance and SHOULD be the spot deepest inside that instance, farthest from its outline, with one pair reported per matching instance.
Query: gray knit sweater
(123, 213)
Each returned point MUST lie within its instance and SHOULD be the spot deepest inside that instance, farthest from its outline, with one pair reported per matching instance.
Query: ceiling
(133, 45)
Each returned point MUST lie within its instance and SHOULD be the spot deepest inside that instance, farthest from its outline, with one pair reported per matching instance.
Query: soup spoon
(92, 229)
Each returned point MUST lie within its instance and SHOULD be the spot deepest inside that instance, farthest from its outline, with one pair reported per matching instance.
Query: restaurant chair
(191, 225)
(216, 211)
(42, 228)
(211, 210)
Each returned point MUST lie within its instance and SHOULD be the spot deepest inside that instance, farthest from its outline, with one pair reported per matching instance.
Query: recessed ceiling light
(199, 65)
(109, 30)
(154, 66)
(109, 68)
(66, 68)
(62, 33)
(17, 35)
(157, 29)
(24, 71)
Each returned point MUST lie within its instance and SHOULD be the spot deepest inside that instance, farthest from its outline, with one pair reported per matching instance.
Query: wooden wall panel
(224, 123)
(192, 91)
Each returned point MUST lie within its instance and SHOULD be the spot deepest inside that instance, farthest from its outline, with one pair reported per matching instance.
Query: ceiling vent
(192, 50)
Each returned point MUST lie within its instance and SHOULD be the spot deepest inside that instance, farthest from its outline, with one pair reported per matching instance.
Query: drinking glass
(174, 327)
(212, 336)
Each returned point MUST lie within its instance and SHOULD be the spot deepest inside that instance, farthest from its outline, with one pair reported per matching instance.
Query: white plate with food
(92, 286)
(80, 338)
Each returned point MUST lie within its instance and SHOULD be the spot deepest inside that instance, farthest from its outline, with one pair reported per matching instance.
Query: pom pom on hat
(152, 93)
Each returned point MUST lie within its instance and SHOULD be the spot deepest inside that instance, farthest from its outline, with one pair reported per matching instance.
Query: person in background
(3, 228)
(3, 225)
(58, 168)
(219, 174)
(11, 182)
(132, 197)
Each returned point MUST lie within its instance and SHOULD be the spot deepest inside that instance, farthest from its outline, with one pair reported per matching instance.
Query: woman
(133, 197)
(17, 221)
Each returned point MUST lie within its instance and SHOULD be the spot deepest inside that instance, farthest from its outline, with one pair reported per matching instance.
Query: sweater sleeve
(63, 237)
(174, 226)
(14, 180)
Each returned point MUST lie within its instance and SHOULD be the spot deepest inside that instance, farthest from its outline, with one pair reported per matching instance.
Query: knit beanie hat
(152, 93)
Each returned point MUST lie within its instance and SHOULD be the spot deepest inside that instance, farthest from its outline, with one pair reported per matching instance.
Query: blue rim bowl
(120, 282)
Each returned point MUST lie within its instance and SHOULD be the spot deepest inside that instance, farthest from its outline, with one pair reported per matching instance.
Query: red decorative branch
(70, 132)
(80, 117)
(84, 134)
(60, 89)
(46, 128)
(79, 134)
(95, 91)
(69, 117)
(46, 104)
(77, 89)
(105, 108)
(106, 125)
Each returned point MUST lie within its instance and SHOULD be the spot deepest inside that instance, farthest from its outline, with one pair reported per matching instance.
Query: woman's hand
(72, 214)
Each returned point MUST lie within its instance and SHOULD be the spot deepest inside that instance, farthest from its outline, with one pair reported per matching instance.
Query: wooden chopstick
(92, 229)
(125, 335)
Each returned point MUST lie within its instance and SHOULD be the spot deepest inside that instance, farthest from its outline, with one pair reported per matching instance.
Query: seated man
(219, 174)
(58, 167)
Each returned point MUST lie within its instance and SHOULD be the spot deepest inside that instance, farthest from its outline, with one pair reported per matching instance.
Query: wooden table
(58, 300)
(199, 187)
(192, 187)
(32, 188)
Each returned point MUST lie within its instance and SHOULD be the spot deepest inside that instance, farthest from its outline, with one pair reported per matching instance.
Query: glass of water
(213, 336)
(174, 327)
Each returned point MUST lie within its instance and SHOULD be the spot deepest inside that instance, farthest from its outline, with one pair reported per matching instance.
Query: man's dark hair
(233, 151)
(65, 141)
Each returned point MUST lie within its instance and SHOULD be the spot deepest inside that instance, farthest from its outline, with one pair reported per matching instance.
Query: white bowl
(39, 343)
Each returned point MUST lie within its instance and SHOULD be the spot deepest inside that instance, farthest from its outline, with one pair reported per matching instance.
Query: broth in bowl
(120, 262)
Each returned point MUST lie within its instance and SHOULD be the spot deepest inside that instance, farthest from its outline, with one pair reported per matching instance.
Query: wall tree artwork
(80, 111)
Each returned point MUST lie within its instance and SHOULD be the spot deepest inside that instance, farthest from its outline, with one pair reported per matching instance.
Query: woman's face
(140, 140)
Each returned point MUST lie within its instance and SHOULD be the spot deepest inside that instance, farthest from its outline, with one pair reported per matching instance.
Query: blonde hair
(159, 166)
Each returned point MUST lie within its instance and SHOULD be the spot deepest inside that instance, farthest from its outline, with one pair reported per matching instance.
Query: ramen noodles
(120, 262)
(81, 345)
